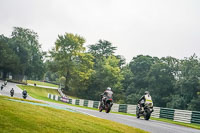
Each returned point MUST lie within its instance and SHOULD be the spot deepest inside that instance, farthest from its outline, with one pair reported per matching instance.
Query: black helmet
(146, 92)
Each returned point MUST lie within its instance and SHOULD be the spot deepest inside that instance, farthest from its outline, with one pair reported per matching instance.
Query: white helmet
(109, 88)
(146, 92)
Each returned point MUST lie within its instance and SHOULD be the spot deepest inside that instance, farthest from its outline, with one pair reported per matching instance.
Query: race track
(151, 125)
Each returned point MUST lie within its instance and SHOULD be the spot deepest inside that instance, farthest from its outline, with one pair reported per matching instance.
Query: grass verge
(38, 92)
(41, 83)
(17, 117)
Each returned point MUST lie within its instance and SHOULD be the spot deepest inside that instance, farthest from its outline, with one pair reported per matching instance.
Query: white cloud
(157, 28)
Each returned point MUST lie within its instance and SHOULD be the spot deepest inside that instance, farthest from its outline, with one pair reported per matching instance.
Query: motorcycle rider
(5, 82)
(2, 87)
(12, 92)
(24, 93)
(106, 94)
(146, 98)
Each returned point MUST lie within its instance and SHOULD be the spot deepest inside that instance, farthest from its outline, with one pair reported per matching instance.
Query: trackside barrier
(115, 107)
(81, 102)
(167, 113)
(49, 95)
(156, 112)
(56, 98)
(90, 103)
(85, 103)
(77, 101)
(195, 117)
(70, 101)
(131, 109)
(96, 104)
(64, 99)
(184, 116)
(74, 101)
(61, 93)
(52, 97)
(123, 108)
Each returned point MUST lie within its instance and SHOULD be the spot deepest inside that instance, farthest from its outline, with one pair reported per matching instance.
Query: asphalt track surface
(150, 126)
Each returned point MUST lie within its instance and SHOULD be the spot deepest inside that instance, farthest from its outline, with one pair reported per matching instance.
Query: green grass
(73, 97)
(38, 92)
(44, 97)
(41, 83)
(15, 98)
(21, 117)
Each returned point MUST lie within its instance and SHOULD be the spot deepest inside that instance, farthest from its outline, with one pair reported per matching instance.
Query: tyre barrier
(195, 117)
(96, 104)
(184, 116)
(85, 103)
(123, 108)
(131, 109)
(167, 113)
(77, 102)
(156, 112)
(115, 107)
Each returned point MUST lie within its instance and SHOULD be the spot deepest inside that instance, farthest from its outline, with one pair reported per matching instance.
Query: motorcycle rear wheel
(147, 116)
(108, 108)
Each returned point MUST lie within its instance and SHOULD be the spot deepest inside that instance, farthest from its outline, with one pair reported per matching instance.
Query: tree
(177, 102)
(26, 46)
(8, 59)
(71, 61)
(102, 48)
(107, 74)
(107, 71)
(188, 81)
(140, 67)
(161, 83)
(122, 60)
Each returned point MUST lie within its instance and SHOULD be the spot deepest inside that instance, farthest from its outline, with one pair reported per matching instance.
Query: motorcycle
(5, 83)
(108, 105)
(25, 96)
(11, 93)
(146, 113)
(2, 87)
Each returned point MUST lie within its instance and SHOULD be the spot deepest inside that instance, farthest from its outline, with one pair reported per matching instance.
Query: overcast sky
(150, 27)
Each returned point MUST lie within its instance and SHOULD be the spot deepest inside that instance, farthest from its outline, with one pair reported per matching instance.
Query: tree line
(21, 54)
(86, 72)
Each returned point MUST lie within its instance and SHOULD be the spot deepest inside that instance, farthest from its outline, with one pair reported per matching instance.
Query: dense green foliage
(20, 54)
(71, 61)
(172, 82)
